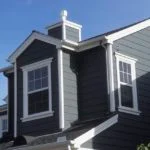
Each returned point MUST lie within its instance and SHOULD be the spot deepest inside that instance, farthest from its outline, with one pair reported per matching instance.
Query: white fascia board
(130, 30)
(30, 39)
(7, 69)
(95, 131)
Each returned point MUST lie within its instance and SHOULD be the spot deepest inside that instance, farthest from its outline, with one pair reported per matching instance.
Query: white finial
(64, 14)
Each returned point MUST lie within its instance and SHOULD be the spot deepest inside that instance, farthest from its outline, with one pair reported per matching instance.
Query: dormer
(65, 30)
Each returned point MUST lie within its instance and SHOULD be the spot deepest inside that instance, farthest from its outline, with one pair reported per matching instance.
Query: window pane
(121, 76)
(38, 102)
(31, 75)
(120, 66)
(38, 84)
(129, 68)
(37, 73)
(125, 78)
(45, 82)
(44, 71)
(31, 86)
(129, 79)
(125, 67)
(126, 96)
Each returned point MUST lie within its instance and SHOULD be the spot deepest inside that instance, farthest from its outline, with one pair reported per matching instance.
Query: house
(3, 118)
(65, 93)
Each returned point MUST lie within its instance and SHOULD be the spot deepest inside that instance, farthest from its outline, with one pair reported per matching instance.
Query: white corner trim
(95, 131)
(29, 40)
(38, 116)
(15, 99)
(130, 30)
(61, 88)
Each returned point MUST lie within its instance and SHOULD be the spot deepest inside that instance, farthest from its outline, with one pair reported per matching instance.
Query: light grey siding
(70, 89)
(137, 46)
(72, 34)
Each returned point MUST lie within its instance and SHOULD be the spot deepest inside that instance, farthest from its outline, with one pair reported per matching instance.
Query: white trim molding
(94, 131)
(15, 99)
(132, 83)
(26, 69)
(130, 30)
(110, 73)
(61, 88)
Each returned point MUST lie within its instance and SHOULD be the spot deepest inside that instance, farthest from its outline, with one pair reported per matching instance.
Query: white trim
(110, 75)
(37, 116)
(15, 99)
(131, 61)
(130, 30)
(71, 42)
(61, 88)
(29, 40)
(54, 26)
(95, 131)
(26, 69)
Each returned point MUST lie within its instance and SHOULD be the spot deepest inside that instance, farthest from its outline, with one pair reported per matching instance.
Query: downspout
(107, 44)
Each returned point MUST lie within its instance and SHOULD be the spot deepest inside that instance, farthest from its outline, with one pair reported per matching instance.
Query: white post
(15, 99)
(110, 74)
(61, 88)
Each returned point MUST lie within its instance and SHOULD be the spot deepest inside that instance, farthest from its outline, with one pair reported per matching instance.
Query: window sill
(129, 110)
(37, 116)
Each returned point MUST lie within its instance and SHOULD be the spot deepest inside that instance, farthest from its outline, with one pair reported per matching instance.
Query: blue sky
(19, 17)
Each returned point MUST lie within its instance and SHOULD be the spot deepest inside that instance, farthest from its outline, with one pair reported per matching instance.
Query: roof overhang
(110, 38)
(33, 36)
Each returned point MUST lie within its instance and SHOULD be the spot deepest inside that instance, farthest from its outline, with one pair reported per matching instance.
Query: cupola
(65, 30)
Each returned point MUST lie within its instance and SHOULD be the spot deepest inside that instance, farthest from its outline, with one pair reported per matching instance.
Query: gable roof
(117, 33)
(33, 36)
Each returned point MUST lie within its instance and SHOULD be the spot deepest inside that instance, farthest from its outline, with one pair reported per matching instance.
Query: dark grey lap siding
(38, 51)
(93, 98)
(129, 132)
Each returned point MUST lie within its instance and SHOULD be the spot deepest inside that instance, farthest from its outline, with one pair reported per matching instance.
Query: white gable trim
(95, 131)
(29, 40)
(130, 30)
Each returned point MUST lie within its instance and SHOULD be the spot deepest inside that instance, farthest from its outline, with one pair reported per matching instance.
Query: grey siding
(92, 82)
(129, 132)
(70, 88)
(11, 103)
(137, 46)
(38, 51)
(56, 32)
(72, 34)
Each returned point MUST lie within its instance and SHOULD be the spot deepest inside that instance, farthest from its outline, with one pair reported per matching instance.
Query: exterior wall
(137, 46)
(11, 103)
(38, 51)
(70, 88)
(131, 130)
(72, 34)
(56, 32)
(92, 84)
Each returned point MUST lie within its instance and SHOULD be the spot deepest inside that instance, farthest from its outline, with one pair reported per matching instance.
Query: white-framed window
(37, 90)
(127, 90)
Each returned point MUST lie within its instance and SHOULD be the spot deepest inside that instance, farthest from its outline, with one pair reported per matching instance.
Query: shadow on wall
(131, 130)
